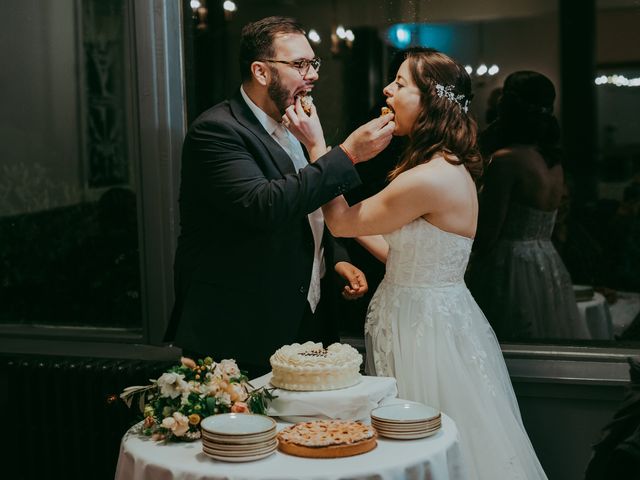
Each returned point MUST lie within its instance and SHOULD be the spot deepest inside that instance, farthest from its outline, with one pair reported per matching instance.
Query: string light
(483, 69)
(313, 36)
(617, 80)
(341, 36)
(229, 6)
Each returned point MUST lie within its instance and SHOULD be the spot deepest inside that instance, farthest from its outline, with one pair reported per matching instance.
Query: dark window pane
(68, 216)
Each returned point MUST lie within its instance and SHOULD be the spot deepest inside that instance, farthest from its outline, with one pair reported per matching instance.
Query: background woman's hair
(525, 116)
(442, 126)
(256, 40)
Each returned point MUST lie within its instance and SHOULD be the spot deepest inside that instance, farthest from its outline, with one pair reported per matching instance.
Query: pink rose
(178, 424)
(187, 362)
(149, 422)
(240, 407)
(237, 392)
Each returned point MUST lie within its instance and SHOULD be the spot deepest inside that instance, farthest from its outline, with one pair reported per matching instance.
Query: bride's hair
(444, 125)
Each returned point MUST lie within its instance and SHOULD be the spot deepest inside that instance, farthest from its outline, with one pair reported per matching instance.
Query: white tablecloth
(595, 313)
(624, 310)
(436, 458)
(352, 403)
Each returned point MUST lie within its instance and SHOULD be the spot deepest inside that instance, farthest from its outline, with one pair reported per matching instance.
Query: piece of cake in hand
(310, 367)
(307, 102)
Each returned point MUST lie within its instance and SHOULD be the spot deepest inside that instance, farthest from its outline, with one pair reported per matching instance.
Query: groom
(253, 246)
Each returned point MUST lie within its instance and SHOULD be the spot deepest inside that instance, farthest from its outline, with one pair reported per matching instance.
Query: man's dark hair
(256, 40)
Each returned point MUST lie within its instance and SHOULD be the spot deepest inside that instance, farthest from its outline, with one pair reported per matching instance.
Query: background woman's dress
(424, 328)
(522, 285)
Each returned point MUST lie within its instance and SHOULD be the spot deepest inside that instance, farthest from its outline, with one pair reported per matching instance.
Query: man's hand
(306, 128)
(356, 281)
(371, 138)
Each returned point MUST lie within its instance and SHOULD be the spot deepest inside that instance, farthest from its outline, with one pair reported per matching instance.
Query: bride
(423, 326)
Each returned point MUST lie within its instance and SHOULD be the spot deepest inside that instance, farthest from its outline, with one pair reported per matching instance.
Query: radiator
(64, 415)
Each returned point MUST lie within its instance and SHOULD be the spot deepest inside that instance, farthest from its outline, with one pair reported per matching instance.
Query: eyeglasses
(301, 65)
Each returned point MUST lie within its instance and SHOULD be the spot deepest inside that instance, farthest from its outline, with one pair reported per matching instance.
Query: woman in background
(516, 275)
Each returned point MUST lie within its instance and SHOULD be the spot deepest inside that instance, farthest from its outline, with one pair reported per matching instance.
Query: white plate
(238, 424)
(583, 293)
(240, 459)
(245, 453)
(406, 425)
(414, 436)
(406, 432)
(238, 439)
(239, 448)
(405, 412)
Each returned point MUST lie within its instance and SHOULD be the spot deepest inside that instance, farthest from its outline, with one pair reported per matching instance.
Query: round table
(437, 458)
(595, 314)
(624, 311)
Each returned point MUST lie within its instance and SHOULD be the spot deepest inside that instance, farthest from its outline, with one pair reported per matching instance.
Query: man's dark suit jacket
(245, 252)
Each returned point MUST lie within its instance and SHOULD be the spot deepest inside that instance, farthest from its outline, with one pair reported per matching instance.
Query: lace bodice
(422, 255)
(526, 223)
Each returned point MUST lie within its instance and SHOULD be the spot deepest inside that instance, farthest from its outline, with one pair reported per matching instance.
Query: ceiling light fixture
(313, 36)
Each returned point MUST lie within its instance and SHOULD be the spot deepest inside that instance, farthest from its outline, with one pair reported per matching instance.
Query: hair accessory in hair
(447, 92)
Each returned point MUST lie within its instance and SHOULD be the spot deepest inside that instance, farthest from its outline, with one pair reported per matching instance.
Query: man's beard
(277, 92)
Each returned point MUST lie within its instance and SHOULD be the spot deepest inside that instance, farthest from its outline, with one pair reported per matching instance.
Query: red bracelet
(348, 154)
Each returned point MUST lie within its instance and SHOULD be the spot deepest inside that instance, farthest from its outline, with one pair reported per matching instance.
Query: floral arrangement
(175, 403)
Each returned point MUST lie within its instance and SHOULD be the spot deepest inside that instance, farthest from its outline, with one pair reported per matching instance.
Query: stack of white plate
(238, 437)
(583, 293)
(406, 421)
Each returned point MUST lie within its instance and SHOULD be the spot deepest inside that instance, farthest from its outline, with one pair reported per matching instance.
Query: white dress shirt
(292, 147)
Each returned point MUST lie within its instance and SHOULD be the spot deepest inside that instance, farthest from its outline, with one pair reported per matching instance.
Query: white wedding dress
(424, 328)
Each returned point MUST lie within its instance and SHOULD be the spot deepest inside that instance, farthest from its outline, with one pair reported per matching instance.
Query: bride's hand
(306, 128)
(356, 285)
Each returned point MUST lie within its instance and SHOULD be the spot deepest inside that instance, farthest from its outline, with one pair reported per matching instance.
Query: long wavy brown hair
(442, 126)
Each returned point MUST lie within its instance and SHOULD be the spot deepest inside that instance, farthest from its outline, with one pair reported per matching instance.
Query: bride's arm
(412, 194)
(376, 245)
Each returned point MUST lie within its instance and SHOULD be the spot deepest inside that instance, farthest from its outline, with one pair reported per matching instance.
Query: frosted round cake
(310, 367)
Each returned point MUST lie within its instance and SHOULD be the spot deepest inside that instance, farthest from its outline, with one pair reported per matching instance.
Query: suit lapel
(247, 119)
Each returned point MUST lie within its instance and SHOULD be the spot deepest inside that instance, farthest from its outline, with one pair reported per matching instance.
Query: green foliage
(174, 404)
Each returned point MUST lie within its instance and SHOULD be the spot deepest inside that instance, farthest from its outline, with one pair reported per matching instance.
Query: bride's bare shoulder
(431, 176)
(435, 164)
(439, 168)
(508, 157)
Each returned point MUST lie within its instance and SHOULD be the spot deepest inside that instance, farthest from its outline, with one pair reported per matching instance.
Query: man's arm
(230, 179)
